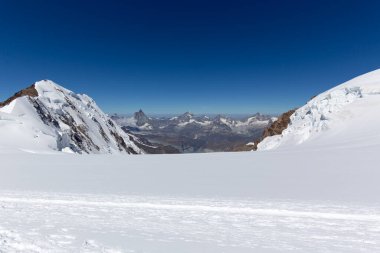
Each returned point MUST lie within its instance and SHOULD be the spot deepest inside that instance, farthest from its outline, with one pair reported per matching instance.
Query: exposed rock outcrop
(276, 128)
(141, 118)
(30, 91)
(279, 125)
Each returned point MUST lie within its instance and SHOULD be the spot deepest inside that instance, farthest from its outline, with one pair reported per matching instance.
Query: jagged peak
(141, 118)
(140, 114)
(219, 117)
(187, 114)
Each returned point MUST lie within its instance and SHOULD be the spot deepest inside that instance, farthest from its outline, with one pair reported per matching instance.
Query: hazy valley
(189, 133)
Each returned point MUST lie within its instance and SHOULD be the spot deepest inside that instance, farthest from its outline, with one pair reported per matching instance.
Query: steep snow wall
(345, 111)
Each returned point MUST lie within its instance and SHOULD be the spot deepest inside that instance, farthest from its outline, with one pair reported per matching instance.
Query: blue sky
(200, 56)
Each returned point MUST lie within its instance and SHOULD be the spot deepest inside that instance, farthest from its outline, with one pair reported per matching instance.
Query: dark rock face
(279, 125)
(30, 91)
(276, 128)
(141, 118)
(77, 135)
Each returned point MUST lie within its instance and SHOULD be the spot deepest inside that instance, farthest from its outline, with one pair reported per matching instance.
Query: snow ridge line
(200, 208)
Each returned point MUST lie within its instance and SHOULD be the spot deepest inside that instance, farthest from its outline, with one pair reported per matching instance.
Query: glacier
(344, 114)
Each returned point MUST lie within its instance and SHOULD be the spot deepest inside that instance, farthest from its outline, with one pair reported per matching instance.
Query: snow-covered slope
(243, 202)
(47, 117)
(348, 114)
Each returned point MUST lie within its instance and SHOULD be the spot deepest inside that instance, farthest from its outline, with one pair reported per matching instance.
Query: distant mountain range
(195, 133)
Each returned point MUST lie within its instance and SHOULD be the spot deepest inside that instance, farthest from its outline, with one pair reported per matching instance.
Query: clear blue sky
(200, 56)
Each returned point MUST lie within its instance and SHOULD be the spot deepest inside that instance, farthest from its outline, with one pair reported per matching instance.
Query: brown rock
(279, 125)
(30, 91)
(276, 128)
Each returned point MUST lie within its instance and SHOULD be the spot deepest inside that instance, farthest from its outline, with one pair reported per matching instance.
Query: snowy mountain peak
(335, 116)
(186, 117)
(38, 89)
(45, 86)
(47, 116)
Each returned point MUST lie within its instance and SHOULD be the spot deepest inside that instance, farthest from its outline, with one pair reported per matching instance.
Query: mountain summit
(141, 118)
(46, 117)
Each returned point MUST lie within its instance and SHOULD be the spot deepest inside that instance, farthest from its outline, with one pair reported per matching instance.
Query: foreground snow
(275, 201)
(96, 223)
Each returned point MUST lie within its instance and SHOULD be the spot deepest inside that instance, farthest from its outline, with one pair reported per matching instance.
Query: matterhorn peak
(141, 118)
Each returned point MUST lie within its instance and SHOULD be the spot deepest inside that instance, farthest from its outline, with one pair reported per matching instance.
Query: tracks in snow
(197, 208)
(41, 222)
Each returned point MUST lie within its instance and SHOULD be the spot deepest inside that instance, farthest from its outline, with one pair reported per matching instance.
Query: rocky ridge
(54, 118)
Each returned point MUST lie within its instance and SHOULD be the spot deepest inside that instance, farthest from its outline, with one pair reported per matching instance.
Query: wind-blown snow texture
(223, 202)
(321, 196)
(60, 120)
(345, 115)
